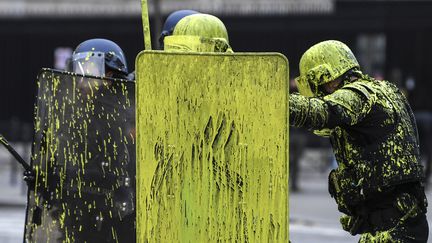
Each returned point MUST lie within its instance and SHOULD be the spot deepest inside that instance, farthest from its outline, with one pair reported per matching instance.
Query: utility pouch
(344, 189)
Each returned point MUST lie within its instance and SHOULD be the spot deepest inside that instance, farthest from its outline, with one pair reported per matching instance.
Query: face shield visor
(196, 44)
(89, 63)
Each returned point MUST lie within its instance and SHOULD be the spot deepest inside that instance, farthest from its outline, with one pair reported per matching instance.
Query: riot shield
(212, 147)
(84, 160)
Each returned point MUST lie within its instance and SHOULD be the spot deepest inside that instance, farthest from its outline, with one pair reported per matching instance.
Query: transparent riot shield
(84, 160)
(212, 147)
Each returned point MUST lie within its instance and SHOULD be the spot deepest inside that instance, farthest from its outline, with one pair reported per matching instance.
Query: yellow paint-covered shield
(84, 160)
(212, 156)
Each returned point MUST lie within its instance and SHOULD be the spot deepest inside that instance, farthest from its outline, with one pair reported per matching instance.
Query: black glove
(352, 224)
(347, 222)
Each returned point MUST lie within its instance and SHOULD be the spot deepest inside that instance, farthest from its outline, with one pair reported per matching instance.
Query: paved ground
(313, 214)
(12, 188)
(12, 196)
(12, 224)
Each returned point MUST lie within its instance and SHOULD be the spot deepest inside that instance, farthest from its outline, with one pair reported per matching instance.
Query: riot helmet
(199, 32)
(171, 22)
(203, 25)
(324, 63)
(97, 57)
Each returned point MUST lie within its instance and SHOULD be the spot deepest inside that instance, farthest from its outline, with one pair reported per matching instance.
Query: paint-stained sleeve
(307, 112)
(343, 107)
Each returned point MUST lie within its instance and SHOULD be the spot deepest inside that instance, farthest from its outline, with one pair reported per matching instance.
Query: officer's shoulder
(364, 88)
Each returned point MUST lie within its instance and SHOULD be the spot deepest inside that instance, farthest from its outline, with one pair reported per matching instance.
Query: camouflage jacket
(373, 133)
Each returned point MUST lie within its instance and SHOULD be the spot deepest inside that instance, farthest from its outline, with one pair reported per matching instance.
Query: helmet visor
(196, 44)
(89, 63)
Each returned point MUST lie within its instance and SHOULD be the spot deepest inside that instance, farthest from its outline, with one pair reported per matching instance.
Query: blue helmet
(171, 22)
(104, 52)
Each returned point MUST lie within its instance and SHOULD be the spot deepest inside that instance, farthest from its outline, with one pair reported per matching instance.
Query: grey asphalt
(313, 214)
(314, 217)
(12, 224)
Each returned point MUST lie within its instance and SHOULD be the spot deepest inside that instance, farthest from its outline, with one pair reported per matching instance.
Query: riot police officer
(372, 129)
(104, 210)
(199, 33)
(99, 57)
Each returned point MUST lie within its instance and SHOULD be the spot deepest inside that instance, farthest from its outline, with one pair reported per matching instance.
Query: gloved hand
(352, 224)
(347, 222)
(326, 132)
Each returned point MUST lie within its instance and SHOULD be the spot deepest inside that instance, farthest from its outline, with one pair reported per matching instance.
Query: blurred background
(392, 39)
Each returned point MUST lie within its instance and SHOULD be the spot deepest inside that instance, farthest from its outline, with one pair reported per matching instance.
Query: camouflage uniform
(374, 137)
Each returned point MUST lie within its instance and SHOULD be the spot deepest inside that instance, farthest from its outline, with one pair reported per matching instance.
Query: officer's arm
(343, 107)
(307, 112)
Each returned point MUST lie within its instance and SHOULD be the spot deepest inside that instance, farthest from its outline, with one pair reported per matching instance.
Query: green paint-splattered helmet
(203, 25)
(199, 32)
(322, 63)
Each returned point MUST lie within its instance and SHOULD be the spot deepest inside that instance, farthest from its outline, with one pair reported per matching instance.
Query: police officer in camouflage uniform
(378, 182)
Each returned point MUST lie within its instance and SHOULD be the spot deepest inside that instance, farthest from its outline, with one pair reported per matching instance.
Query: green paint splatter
(212, 147)
(374, 137)
(79, 185)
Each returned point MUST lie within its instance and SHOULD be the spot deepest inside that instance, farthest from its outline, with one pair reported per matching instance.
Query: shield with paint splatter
(84, 160)
(212, 147)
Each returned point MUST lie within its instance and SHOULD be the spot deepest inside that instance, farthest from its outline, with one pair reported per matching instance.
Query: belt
(383, 219)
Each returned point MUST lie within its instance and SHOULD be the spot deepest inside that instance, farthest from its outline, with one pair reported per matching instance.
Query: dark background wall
(27, 44)
(407, 26)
